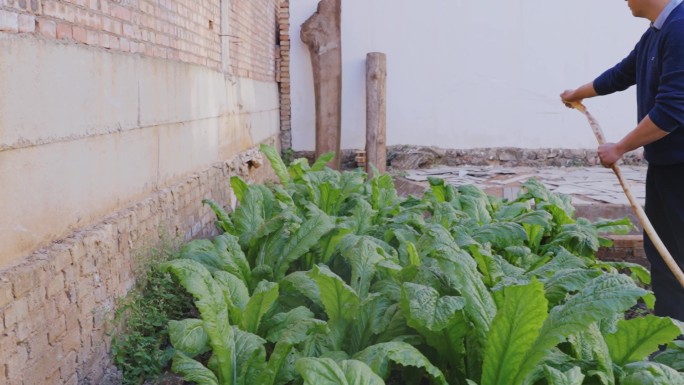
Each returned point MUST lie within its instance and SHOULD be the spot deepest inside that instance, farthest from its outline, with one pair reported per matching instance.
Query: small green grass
(140, 341)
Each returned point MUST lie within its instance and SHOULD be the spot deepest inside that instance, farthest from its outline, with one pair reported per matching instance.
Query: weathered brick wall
(185, 30)
(253, 38)
(54, 305)
(283, 75)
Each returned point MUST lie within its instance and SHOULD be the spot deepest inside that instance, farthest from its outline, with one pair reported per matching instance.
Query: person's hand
(570, 96)
(609, 153)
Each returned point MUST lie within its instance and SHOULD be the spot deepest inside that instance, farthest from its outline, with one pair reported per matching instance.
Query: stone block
(16, 311)
(16, 366)
(56, 329)
(67, 367)
(6, 295)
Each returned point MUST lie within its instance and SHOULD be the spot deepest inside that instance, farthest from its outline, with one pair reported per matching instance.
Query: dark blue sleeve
(668, 111)
(618, 78)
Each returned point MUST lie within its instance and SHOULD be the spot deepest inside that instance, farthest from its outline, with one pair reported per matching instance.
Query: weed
(140, 341)
(288, 155)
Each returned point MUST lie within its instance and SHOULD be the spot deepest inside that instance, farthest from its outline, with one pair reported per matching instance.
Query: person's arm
(578, 94)
(646, 132)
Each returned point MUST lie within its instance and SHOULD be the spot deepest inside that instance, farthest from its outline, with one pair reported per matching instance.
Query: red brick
(64, 31)
(93, 38)
(47, 28)
(27, 23)
(121, 12)
(9, 21)
(80, 34)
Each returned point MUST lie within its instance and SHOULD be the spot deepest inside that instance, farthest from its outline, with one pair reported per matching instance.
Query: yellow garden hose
(645, 223)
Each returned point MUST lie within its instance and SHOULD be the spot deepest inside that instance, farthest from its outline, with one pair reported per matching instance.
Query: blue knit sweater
(656, 66)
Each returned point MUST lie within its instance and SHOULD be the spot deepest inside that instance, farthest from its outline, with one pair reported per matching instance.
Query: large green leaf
(339, 299)
(612, 226)
(250, 356)
(384, 197)
(320, 371)
(204, 252)
(228, 247)
(371, 320)
(601, 298)
(362, 255)
(461, 271)
(249, 216)
(673, 356)
(358, 373)
(500, 234)
(188, 336)
(239, 187)
(276, 162)
(635, 339)
(193, 371)
(567, 281)
(590, 348)
(379, 356)
(314, 227)
(423, 306)
(211, 303)
(559, 205)
(513, 332)
(259, 304)
(223, 222)
(235, 293)
(650, 373)
(278, 324)
(580, 238)
(323, 161)
(573, 376)
(299, 288)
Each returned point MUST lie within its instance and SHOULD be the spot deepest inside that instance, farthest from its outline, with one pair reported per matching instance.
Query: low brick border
(54, 305)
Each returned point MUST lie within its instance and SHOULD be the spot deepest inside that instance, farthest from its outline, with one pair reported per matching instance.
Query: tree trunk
(376, 111)
(321, 33)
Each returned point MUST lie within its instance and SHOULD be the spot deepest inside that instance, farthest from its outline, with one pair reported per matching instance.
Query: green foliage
(140, 346)
(332, 278)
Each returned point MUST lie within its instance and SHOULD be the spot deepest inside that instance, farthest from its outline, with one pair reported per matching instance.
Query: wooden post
(322, 34)
(376, 111)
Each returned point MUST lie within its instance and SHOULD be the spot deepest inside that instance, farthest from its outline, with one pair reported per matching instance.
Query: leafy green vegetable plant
(332, 278)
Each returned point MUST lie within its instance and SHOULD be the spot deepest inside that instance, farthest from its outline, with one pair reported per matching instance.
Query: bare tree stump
(322, 34)
(376, 111)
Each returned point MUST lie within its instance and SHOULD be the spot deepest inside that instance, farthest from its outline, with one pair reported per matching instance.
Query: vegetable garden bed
(332, 278)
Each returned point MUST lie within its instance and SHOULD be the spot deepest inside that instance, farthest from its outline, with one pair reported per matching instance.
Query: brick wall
(253, 53)
(283, 75)
(54, 306)
(54, 303)
(183, 30)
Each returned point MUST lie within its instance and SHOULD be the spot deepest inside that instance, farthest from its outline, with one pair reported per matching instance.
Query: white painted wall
(95, 131)
(473, 73)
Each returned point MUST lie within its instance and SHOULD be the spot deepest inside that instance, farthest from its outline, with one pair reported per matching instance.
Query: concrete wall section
(470, 74)
(55, 304)
(93, 131)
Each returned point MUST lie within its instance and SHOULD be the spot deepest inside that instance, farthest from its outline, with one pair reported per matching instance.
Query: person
(656, 67)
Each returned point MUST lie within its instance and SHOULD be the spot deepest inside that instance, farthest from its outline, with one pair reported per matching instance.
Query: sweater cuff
(662, 119)
(601, 85)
